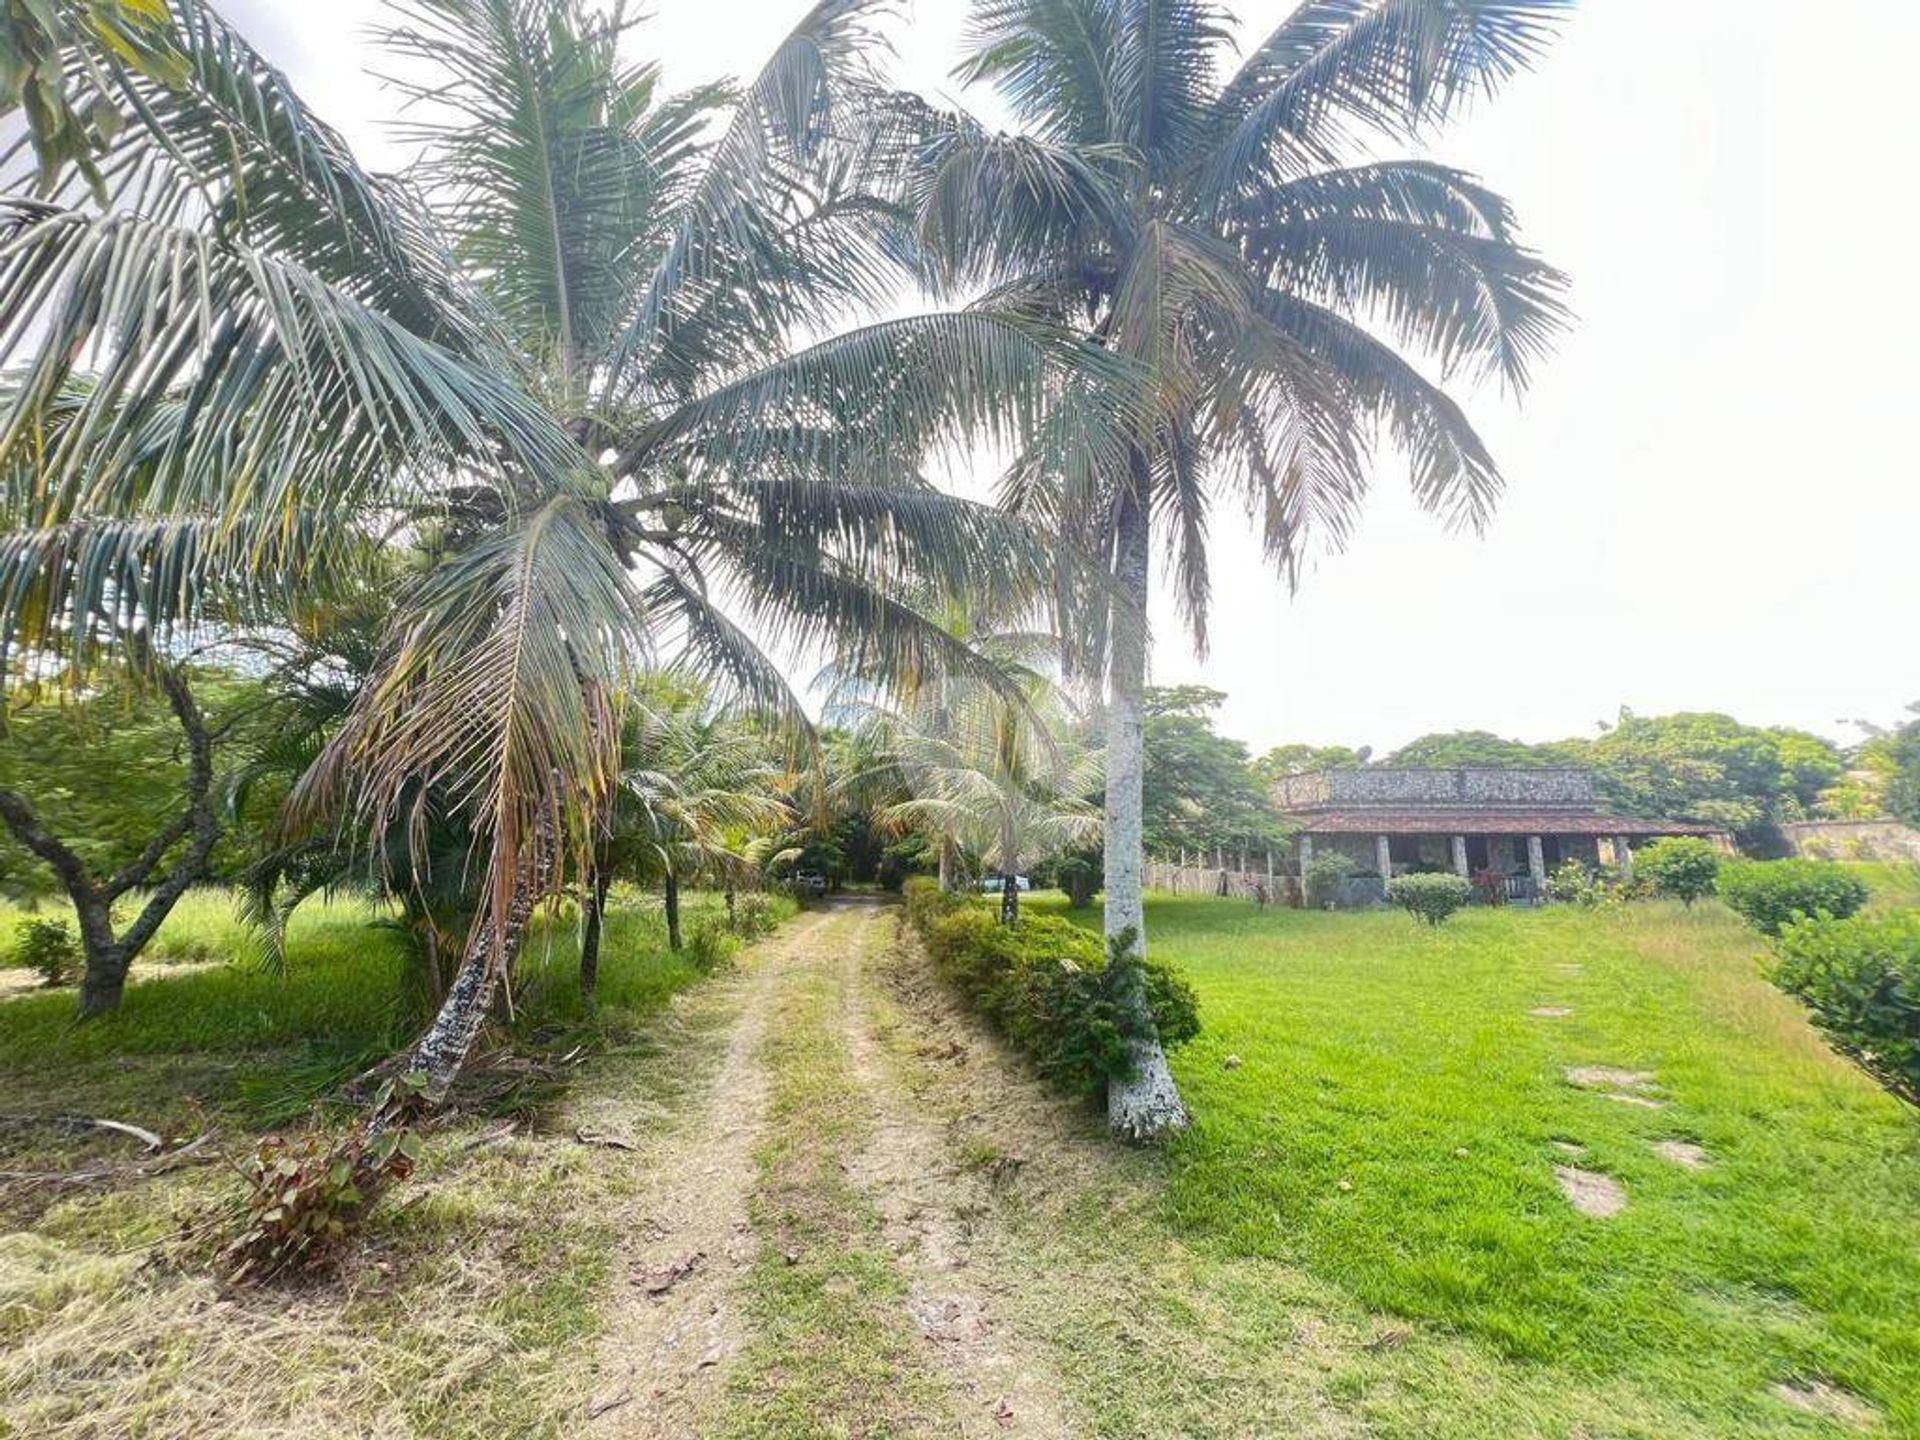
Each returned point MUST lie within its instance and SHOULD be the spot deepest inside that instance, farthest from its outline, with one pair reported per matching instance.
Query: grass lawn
(1390, 1129)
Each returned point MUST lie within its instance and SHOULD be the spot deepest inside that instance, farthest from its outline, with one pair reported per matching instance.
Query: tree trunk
(1009, 899)
(107, 961)
(670, 895)
(946, 864)
(1146, 1105)
(590, 941)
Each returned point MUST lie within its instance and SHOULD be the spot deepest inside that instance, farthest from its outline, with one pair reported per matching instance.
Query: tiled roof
(1367, 820)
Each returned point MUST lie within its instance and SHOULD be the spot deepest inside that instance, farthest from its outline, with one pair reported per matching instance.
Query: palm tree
(695, 790)
(563, 358)
(1011, 796)
(1227, 232)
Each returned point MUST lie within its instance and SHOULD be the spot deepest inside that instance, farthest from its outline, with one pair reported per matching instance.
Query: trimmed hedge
(1047, 987)
(1861, 979)
(1430, 897)
(1769, 893)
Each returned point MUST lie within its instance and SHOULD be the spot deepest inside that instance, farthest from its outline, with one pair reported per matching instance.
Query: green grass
(1374, 1051)
(1895, 884)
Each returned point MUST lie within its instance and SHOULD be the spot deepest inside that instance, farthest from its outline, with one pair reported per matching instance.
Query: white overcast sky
(1710, 500)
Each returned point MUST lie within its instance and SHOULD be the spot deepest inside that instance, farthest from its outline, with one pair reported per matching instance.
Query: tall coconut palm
(593, 356)
(1228, 231)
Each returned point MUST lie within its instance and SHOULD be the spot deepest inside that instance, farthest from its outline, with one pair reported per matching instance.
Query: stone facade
(1392, 787)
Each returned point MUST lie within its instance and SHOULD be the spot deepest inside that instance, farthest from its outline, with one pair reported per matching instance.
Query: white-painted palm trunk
(1146, 1106)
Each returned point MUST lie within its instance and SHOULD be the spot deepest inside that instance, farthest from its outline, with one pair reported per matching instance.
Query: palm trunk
(1144, 1106)
(590, 941)
(671, 898)
(1009, 900)
(946, 864)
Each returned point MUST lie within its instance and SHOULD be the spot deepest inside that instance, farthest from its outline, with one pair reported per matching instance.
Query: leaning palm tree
(592, 358)
(1228, 232)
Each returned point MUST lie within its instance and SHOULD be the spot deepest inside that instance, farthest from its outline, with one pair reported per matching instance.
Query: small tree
(1431, 898)
(1682, 866)
(158, 857)
(1324, 874)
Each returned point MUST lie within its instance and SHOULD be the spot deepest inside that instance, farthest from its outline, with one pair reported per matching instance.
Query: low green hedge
(1046, 985)
(1769, 893)
(1431, 897)
(1860, 977)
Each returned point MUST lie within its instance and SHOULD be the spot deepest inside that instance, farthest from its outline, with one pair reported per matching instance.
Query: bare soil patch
(1591, 1193)
(1683, 1153)
(1830, 1402)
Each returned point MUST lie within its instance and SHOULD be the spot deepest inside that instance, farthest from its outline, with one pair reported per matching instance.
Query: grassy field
(1362, 1236)
(1388, 1124)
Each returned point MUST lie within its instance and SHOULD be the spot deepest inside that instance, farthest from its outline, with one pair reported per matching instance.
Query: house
(1517, 824)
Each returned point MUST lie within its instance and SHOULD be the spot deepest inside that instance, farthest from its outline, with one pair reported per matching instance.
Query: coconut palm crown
(594, 360)
(1289, 297)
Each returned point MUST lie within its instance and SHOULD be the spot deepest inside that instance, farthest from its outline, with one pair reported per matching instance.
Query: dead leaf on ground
(1388, 1340)
(658, 1279)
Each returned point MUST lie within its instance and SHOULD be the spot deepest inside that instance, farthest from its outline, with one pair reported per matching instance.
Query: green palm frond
(1388, 65)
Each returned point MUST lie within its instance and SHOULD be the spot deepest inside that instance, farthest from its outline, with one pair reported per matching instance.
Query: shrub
(751, 915)
(1682, 866)
(1430, 897)
(1046, 985)
(1571, 883)
(1324, 873)
(46, 947)
(1860, 977)
(1768, 893)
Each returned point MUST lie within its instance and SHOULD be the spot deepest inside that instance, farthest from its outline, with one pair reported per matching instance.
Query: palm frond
(1387, 65)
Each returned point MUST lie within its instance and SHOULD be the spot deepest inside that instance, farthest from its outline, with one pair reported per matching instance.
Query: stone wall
(1436, 787)
(1854, 840)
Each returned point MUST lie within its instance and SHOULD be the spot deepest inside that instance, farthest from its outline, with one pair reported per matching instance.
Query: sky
(1710, 495)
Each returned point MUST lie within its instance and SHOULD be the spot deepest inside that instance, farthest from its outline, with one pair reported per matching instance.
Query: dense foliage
(1431, 898)
(1682, 866)
(1046, 985)
(1860, 976)
(1769, 893)
(1201, 792)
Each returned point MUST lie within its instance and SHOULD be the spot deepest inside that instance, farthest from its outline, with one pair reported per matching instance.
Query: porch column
(1306, 854)
(1537, 862)
(1383, 856)
(1623, 854)
(1460, 856)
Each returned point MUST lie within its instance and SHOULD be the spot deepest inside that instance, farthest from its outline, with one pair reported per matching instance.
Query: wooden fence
(1258, 886)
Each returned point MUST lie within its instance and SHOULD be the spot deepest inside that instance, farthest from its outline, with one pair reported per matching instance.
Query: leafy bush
(1046, 985)
(1323, 876)
(1861, 978)
(1682, 866)
(1571, 883)
(1430, 897)
(46, 947)
(1769, 893)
